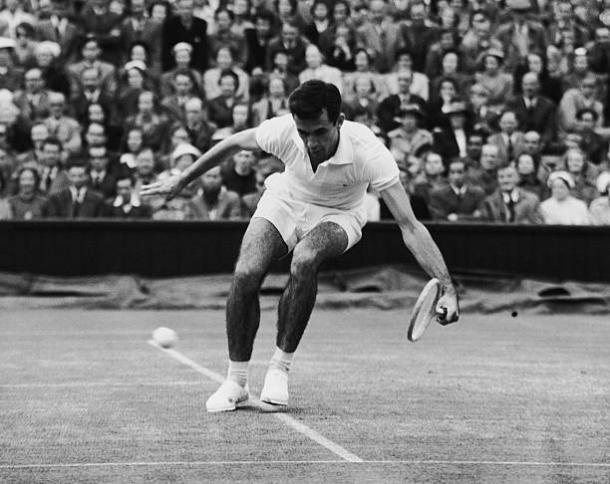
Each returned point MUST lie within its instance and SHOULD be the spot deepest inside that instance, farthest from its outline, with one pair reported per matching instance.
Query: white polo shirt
(339, 182)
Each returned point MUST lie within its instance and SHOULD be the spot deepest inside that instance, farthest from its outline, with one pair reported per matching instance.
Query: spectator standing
(509, 204)
(458, 200)
(562, 208)
(28, 202)
(76, 201)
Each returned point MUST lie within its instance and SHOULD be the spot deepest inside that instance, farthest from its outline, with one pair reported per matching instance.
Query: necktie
(510, 149)
(75, 208)
(511, 210)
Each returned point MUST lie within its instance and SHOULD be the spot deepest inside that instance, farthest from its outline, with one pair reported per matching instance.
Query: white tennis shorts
(294, 219)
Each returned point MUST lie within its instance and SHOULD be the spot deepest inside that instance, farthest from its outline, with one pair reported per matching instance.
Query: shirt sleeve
(274, 135)
(380, 167)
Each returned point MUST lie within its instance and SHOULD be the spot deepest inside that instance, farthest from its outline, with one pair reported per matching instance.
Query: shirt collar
(458, 191)
(343, 155)
(514, 196)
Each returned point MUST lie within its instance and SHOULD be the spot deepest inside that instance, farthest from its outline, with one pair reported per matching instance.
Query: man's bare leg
(261, 245)
(296, 304)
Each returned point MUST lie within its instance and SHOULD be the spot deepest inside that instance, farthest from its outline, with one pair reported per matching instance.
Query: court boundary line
(17, 386)
(300, 427)
(306, 462)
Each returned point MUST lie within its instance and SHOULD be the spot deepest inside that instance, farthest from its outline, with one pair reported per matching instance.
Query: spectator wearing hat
(182, 53)
(60, 29)
(133, 79)
(213, 201)
(534, 112)
(600, 207)
(91, 52)
(390, 107)
(98, 20)
(575, 99)
(409, 138)
(225, 60)
(583, 174)
(98, 167)
(138, 27)
(225, 37)
(184, 27)
(27, 203)
(13, 15)
(561, 208)
(451, 142)
(65, 128)
(316, 69)
(56, 78)
(510, 204)
(33, 100)
(126, 205)
(499, 84)
(520, 35)
(459, 200)
(381, 36)
(11, 77)
(485, 175)
(477, 41)
(293, 44)
(509, 139)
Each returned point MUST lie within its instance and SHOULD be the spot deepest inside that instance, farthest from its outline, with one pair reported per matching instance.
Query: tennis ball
(514, 314)
(165, 337)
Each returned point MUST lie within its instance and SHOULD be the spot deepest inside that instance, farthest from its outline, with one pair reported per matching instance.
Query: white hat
(185, 149)
(6, 43)
(52, 47)
(563, 176)
(603, 182)
(183, 46)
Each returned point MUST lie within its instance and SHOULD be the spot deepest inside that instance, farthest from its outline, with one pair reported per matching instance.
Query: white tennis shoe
(275, 389)
(227, 398)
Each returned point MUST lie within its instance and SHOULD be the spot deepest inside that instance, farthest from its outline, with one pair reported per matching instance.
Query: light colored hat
(563, 176)
(185, 149)
(6, 43)
(136, 64)
(603, 182)
(455, 108)
(495, 53)
(48, 46)
(518, 4)
(183, 46)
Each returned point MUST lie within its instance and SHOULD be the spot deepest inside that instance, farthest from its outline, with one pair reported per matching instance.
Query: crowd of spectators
(493, 110)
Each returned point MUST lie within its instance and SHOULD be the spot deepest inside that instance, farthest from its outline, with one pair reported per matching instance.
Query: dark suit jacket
(107, 187)
(227, 208)
(446, 145)
(60, 205)
(68, 41)
(389, 108)
(103, 27)
(174, 32)
(256, 51)
(219, 113)
(527, 208)
(296, 55)
(444, 201)
(383, 52)
(540, 118)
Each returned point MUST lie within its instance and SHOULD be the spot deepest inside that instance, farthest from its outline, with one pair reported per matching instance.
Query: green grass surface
(84, 398)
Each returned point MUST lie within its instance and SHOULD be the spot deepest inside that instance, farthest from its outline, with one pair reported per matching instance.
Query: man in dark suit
(289, 40)
(534, 112)
(458, 200)
(214, 201)
(60, 29)
(76, 201)
(100, 177)
(99, 21)
(389, 109)
(184, 27)
(137, 27)
(257, 40)
(126, 205)
(509, 204)
(452, 142)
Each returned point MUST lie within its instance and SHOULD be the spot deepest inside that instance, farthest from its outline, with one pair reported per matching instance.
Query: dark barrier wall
(161, 249)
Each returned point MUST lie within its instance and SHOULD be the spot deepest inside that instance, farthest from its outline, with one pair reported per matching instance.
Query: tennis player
(314, 209)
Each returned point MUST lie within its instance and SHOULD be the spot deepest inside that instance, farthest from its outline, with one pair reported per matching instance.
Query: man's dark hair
(51, 140)
(229, 73)
(312, 97)
(264, 15)
(76, 162)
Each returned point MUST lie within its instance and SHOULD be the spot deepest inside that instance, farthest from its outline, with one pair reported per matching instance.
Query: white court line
(306, 462)
(288, 420)
(100, 384)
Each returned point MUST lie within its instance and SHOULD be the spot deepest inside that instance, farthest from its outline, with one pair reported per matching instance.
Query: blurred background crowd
(493, 110)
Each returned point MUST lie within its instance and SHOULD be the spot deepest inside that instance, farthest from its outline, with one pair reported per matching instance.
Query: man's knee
(304, 263)
(247, 276)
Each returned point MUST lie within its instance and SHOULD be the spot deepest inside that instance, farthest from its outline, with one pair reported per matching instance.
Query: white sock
(238, 372)
(281, 360)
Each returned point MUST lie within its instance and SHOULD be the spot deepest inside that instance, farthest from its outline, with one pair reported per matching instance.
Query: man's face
(51, 154)
(409, 122)
(276, 87)
(320, 136)
(95, 135)
(123, 189)
(457, 120)
(489, 157)
(227, 86)
(404, 82)
(33, 80)
(263, 27)
(90, 80)
(481, 25)
(38, 134)
(418, 14)
(98, 159)
(531, 143)
(473, 147)
(91, 51)
(240, 115)
(27, 181)
(244, 161)
(193, 114)
(339, 13)
(137, 7)
(182, 85)
(211, 180)
(588, 88)
(508, 123)
(564, 11)
(223, 21)
(530, 86)
(289, 33)
(77, 175)
(433, 165)
(145, 162)
(456, 174)
(587, 121)
(56, 107)
(184, 8)
(145, 102)
(377, 10)
(507, 179)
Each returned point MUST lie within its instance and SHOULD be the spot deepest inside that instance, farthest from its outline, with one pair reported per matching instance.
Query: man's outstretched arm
(419, 241)
(170, 187)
